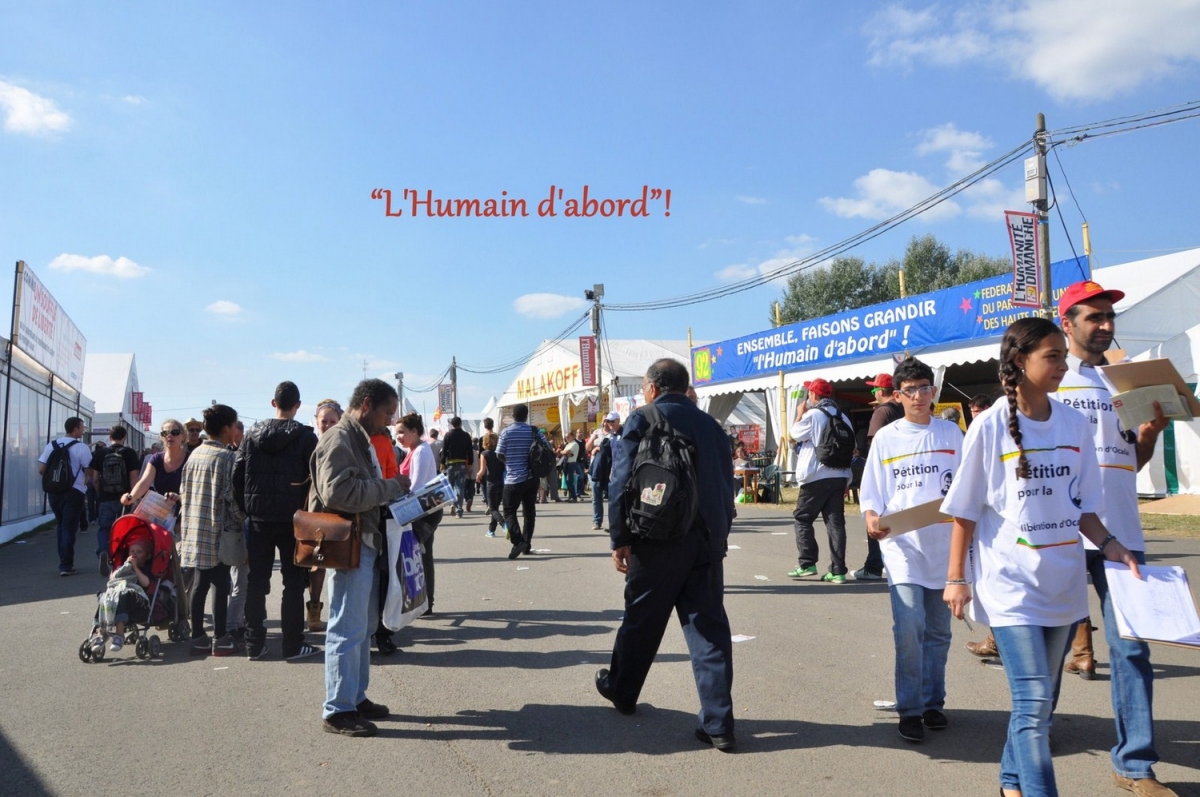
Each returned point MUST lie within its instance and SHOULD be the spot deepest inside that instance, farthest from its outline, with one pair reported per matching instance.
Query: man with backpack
(824, 441)
(670, 511)
(527, 459)
(62, 467)
(112, 472)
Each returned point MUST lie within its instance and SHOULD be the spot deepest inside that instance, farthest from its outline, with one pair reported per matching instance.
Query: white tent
(552, 381)
(1161, 295)
(1175, 467)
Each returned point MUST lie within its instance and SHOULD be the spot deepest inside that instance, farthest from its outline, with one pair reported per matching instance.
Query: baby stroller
(164, 609)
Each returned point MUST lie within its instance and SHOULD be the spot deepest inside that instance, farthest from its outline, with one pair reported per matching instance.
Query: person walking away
(113, 471)
(520, 483)
(681, 571)
(912, 462)
(270, 479)
(345, 481)
(1089, 322)
(456, 462)
(491, 479)
(823, 471)
(1024, 461)
(62, 467)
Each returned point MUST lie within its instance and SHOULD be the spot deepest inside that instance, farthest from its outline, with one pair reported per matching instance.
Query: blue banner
(965, 312)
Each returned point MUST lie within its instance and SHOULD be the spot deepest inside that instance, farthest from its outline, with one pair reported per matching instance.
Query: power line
(540, 348)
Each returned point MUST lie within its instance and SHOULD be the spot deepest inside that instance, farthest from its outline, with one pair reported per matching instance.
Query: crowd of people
(1052, 448)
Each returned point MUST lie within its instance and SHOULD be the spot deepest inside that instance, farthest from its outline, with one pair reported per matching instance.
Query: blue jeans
(67, 508)
(1132, 686)
(571, 477)
(1033, 658)
(598, 491)
(353, 602)
(921, 630)
(457, 474)
(107, 514)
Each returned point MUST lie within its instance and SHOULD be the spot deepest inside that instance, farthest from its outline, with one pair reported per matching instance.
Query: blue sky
(193, 183)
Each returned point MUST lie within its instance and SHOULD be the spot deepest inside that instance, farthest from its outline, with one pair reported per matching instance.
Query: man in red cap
(887, 410)
(1089, 322)
(823, 471)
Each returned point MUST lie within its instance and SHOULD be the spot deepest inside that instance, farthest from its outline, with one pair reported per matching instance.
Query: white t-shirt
(80, 456)
(910, 464)
(571, 451)
(1027, 562)
(807, 433)
(1083, 389)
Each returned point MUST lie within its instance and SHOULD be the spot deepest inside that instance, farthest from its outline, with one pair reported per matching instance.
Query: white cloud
(882, 193)
(299, 356)
(134, 99)
(797, 247)
(750, 200)
(224, 307)
(989, 198)
(1109, 187)
(122, 267)
(1072, 49)
(547, 305)
(29, 113)
(964, 148)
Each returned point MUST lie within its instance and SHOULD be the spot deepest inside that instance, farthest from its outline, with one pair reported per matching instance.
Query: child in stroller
(141, 590)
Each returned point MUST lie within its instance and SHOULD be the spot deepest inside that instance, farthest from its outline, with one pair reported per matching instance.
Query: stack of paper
(1157, 608)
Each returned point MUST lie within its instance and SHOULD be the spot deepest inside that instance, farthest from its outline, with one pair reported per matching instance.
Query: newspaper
(1157, 608)
(1135, 407)
(423, 500)
(157, 510)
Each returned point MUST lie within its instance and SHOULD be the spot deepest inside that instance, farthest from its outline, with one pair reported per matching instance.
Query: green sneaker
(801, 572)
(832, 579)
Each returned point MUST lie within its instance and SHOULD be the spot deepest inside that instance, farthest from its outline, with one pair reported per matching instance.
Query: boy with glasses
(912, 462)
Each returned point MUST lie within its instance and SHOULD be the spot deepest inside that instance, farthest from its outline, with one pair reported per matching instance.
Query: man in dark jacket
(684, 575)
(270, 482)
(456, 461)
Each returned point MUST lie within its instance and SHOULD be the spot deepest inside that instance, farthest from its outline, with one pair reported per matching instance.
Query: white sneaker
(867, 575)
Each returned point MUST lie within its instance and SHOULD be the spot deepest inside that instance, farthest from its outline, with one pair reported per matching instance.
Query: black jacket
(456, 445)
(270, 474)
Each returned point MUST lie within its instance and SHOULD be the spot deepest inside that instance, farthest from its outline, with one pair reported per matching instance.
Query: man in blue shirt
(520, 485)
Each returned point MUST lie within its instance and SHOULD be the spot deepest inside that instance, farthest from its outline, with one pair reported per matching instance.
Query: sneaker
(372, 711)
(118, 642)
(256, 650)
(912, 729)
(595, 527)
(934, 720)
(722, 741)
(303, 653)
(490, 534)
(70, 571)
(349, 723)
(831, 578)
(801, 572)
(225, 646)
(386, 645)
(201, 646)
(518, 549)
(866, 575)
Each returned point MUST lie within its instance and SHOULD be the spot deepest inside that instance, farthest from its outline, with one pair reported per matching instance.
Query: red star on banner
(719, 352)
(966, 304)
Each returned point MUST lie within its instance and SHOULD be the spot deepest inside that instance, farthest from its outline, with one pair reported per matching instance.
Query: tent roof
(108, 380)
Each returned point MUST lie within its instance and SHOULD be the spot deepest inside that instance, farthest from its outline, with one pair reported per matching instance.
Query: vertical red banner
(587, 360)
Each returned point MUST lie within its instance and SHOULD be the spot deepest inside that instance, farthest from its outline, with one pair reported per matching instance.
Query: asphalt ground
(494, 695)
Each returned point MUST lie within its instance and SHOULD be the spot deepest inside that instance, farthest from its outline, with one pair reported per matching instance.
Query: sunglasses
(913, 392)
(171, 432)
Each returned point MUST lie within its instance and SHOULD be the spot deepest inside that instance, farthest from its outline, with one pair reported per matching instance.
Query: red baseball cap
(1082, 292)
(884, 381)
(819, 387)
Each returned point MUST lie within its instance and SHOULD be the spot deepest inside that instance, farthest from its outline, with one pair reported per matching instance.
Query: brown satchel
(327, 541)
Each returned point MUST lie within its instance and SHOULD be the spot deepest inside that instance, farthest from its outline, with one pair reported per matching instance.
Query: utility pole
(454, 385)
(1041, 203)
(594, 296)
(400, 389)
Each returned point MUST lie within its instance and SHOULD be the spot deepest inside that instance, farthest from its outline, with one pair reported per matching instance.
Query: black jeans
(494, 493)
(824, 497)
(218, 577)
(67, 507)
(264, 539)
(525, 495)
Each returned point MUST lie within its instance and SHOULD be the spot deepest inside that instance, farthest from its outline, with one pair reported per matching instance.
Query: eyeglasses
(172, 432)
(913, 392)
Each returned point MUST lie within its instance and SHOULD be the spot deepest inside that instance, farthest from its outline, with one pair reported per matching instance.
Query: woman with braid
(1028, 485)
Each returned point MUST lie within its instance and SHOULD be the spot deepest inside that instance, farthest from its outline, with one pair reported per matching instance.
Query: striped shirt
(514, 445)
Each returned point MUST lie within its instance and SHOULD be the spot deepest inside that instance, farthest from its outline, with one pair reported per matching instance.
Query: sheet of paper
(913, 518)
(1143, 373)
(1158, 608)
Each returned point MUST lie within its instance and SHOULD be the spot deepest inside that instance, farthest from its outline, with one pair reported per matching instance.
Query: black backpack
(58, 477)
(835, 449)
(541, 457)
(661, 498)
(114, 473)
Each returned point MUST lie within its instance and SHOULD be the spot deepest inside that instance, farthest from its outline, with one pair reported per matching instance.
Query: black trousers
(824, 497)
(218, 578)
(494, 493)
(267, 537)
(523, 494)
(688, 578)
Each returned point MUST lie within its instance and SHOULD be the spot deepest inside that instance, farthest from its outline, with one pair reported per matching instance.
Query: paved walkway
(494, 696)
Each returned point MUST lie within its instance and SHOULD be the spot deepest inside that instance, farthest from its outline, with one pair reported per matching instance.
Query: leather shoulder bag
(325, 541)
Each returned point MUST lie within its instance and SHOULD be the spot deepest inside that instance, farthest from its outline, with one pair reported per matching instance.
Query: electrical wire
(1067, 180)
(431, 386)
(540, 348)
(1166, 113)
(1063, 221)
